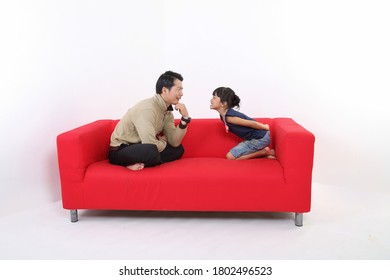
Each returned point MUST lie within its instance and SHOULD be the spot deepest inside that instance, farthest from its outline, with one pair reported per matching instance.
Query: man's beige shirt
(144, 121)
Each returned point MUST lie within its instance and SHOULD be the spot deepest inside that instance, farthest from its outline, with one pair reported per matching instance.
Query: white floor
(343, 224)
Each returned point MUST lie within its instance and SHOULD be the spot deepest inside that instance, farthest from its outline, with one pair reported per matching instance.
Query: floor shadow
(131, 214)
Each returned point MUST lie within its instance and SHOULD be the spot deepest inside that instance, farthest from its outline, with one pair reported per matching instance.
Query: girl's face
(215, 103)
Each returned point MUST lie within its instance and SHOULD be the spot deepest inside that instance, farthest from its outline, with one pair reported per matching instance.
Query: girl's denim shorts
(251, 146)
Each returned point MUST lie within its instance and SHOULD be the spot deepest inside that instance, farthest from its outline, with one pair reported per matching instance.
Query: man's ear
(164, 90)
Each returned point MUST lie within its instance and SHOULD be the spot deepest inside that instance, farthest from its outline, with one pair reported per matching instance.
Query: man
(146, 135)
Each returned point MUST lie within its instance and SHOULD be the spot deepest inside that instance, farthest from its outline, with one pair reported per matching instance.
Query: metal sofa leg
(74, 217)
(299, 219)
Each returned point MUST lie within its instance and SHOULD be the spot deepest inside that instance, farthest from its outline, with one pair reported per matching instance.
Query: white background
(326, 64)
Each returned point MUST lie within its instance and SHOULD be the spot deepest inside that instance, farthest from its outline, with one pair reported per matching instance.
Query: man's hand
(162, 138)
(182, 110)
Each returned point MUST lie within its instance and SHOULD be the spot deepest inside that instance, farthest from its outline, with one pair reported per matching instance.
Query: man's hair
(167, 80)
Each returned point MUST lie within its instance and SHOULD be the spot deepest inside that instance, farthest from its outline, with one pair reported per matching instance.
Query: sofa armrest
(80, 147)
(294, 147)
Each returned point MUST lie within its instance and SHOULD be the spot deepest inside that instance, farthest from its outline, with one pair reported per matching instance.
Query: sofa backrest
(208, 138)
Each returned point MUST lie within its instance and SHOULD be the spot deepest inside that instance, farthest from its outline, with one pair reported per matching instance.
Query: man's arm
(174, 135)
(145, 126)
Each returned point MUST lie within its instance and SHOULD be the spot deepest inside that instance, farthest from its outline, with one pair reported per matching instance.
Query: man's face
(173, 96)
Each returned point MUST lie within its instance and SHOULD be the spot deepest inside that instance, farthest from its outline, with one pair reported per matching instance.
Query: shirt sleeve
(173, 134)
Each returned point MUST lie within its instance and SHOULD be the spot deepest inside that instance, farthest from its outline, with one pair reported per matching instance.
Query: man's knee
(172, 153)
(180, 151)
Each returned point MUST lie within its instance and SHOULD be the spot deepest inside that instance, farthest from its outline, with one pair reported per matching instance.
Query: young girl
(256, 135)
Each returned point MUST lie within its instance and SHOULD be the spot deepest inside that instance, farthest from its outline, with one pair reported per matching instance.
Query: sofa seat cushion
(188, 184)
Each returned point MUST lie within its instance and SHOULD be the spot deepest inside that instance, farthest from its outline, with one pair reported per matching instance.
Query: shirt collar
(161, 103)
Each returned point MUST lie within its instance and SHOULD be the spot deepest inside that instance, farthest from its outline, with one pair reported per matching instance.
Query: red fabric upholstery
(203, 180)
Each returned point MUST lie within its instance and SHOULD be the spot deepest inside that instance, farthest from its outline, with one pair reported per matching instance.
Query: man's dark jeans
(144, 153)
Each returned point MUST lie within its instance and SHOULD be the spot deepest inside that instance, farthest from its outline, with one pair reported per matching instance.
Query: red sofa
(202, 180)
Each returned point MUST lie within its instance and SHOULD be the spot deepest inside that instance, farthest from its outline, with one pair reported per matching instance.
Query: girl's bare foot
(136, 166)
(270, 153)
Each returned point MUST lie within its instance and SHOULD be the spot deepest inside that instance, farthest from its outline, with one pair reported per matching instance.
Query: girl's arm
(248, 123)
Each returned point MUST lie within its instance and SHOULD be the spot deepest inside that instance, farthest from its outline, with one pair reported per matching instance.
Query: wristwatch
(186, 120)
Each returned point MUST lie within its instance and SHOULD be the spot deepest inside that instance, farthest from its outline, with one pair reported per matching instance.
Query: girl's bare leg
(266, 152)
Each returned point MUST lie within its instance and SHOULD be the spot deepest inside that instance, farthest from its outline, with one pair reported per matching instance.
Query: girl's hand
(265, 126)
(262, 126)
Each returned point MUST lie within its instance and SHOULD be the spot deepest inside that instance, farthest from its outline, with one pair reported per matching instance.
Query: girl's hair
(227, 95)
